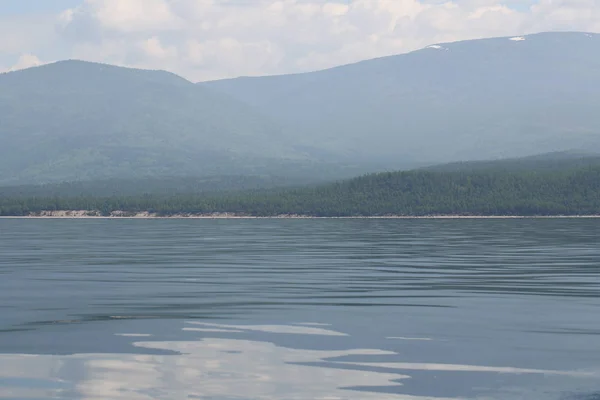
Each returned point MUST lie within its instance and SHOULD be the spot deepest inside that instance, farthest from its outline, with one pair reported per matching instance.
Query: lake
(300, 309)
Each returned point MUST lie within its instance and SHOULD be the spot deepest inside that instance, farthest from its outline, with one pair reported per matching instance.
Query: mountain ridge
(469, 88)
(106, 121)
(482, 99)
(392, 56)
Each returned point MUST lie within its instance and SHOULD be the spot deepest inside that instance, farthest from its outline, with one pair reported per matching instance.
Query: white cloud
(128, 16)
(155, 49)
(22, 34)
(566, 15)
(26, 61)
(206, 39)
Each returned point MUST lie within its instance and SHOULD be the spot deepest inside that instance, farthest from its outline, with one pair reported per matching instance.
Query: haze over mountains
(504, 97)
(546, 185)
(560, 162)
(74, 120)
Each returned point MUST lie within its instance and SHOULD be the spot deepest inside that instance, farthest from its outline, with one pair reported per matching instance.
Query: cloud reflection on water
(206, 369)
(217, 369)
(210, 368)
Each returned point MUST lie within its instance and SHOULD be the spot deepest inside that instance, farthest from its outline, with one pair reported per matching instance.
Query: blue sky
(20, 7)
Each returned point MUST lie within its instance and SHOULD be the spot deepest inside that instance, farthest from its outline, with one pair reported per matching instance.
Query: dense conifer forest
(569, 191)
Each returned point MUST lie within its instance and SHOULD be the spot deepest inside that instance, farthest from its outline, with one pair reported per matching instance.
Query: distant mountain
(75, 120)
(479, 99)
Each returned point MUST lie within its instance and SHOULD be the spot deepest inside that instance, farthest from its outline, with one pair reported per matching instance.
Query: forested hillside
(155, 186)
(547, 162)
(573, 191)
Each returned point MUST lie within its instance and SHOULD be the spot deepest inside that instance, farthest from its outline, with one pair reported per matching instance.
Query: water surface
(300, 309)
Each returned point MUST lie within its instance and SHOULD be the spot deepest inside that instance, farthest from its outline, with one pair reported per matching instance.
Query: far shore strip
(82, 214)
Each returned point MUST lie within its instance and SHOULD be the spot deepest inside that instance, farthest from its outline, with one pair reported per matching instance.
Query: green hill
(574, 190)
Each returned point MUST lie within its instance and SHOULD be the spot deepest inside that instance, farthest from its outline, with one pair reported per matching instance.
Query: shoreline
(77, 214)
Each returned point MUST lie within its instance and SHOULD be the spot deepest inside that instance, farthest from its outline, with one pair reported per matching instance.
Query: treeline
(159, 186)
(547, 162)
(411, 193)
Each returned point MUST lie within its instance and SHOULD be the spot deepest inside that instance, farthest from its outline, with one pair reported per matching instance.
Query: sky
(213, 39)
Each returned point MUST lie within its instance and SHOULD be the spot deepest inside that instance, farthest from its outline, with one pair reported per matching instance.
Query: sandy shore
(81, 214)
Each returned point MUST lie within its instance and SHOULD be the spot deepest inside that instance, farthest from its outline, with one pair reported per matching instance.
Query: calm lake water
(300, 309)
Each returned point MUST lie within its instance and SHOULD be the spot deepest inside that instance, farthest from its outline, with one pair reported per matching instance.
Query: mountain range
(480, 99)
